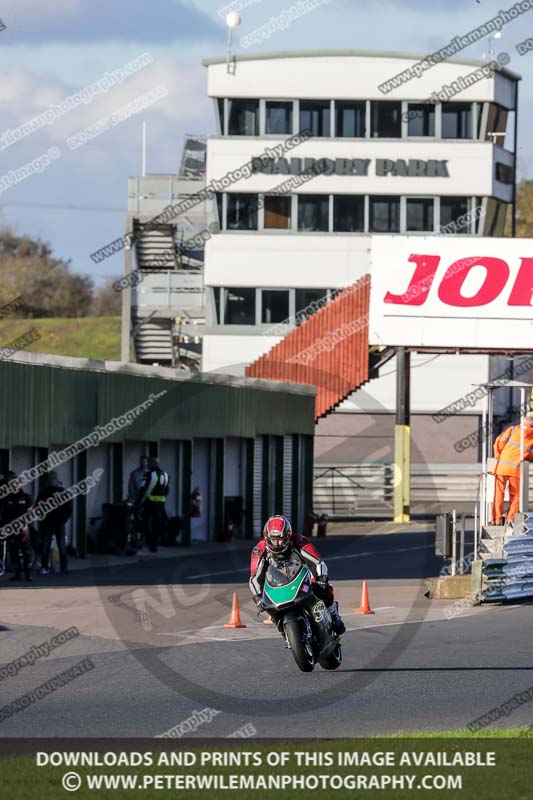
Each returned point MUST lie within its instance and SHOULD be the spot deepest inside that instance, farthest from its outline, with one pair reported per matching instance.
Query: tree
(107, 302)
(29, 270)
(524, 211)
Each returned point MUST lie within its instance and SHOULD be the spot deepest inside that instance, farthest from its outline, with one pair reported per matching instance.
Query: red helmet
(277, 534)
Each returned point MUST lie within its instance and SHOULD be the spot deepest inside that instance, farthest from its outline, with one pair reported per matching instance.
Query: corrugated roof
(329, 350)
(48, 400)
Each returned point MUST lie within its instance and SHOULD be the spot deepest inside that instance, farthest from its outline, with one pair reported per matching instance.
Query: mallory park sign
(412, 168)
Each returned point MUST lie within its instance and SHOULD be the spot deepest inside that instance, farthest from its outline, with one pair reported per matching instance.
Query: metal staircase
(156, 248)
(153, 341)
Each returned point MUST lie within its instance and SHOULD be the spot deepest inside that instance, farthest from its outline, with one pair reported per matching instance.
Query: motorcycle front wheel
(334, 660)
(302, 649)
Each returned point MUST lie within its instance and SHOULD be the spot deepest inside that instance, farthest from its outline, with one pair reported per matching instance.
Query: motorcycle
(301, 616)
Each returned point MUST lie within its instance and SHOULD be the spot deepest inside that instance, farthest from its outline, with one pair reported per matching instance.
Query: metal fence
(357, 489)
(364, 489)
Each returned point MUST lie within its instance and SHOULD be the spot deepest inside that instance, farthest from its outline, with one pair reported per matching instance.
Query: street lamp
(233, 20)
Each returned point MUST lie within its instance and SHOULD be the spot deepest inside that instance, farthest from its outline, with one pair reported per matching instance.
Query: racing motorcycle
(301, 616)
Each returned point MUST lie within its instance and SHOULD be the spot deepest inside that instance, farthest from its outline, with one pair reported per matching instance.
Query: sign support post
(402, 437)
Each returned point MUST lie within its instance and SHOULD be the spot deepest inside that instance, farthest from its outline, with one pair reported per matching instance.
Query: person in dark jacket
(152, 500)
(14, 505)
(135, 484)
(137, 479)
(53, 525)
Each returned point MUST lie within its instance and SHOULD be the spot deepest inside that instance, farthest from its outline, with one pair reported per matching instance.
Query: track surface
(154, 632)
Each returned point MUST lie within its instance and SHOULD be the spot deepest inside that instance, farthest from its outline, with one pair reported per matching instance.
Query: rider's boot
(338, 625)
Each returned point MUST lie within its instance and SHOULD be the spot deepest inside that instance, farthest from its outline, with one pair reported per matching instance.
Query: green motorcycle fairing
(288, 591)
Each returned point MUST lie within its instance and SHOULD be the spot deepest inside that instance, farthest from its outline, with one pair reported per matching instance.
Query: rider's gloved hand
(259, 603)
(322, 581)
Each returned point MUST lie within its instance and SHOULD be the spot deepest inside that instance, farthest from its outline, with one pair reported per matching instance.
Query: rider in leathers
(279, 543)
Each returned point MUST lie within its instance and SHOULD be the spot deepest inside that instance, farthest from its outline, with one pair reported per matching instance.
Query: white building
(391, 162)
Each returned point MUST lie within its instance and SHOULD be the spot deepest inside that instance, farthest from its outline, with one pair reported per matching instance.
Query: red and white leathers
(261, 558)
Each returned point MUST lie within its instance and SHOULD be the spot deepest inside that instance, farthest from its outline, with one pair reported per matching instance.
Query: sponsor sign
(464, 292)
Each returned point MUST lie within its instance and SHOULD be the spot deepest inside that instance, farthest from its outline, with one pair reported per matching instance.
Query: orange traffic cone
(235, 616)
(364, 608)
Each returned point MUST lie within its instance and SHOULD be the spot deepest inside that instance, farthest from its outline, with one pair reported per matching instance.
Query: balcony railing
(177, 290)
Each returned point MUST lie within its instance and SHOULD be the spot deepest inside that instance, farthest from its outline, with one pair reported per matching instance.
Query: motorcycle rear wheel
(334, 660)
(302, 652)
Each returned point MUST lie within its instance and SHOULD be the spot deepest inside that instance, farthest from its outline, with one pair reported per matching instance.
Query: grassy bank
(85, 337)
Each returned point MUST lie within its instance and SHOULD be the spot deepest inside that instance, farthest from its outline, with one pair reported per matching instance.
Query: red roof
(329, 350)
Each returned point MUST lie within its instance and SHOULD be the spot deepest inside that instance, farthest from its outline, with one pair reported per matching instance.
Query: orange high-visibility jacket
(507, 449)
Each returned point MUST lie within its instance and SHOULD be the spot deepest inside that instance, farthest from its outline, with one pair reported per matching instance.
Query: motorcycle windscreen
(283, 584)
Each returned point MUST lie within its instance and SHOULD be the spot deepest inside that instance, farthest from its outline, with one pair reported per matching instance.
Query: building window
(496, 124)
(242, 212)
(239, 306)
(220, 108)
(278, 117)
(274, 305)
(243, 117)
(313, 212)
(216, 290)
(504, 173)
(421, 119)
(220, 207)
(420, 214)
(457, 120)
(495, 219)
(386, 118)
(349, 213)
(384, 214)
(453, 211)
(350, 118)
(315, 116)
(277, 212)
(307, 301)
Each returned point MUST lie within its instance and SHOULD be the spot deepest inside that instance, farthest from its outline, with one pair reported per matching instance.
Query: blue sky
(50, 50)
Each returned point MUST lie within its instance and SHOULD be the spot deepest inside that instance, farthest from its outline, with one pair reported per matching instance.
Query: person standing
(137, 478)
(153, 497)
(507, 468)
(135, 486)
(53, 525)
(14, 506)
